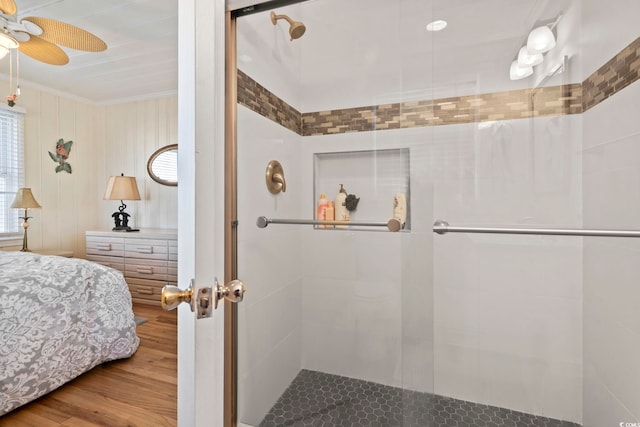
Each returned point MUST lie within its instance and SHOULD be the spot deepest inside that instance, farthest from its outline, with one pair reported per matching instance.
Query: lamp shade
(24, 200)
(122, 188)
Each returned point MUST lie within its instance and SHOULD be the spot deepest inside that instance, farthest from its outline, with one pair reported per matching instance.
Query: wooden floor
(139, 391)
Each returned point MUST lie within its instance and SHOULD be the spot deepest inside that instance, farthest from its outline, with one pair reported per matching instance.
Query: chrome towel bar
(392, 224)
(443, 227)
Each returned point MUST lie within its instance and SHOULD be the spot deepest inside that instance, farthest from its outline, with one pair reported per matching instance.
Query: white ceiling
(346, 41)
(366, 52)
(141, 59)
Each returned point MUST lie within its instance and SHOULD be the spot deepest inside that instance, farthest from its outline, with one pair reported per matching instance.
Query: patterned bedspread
(59, 317)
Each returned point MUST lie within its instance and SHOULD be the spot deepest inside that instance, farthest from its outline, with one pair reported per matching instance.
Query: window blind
(11, 167)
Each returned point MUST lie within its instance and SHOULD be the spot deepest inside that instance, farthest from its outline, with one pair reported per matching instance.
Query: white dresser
(148, 259)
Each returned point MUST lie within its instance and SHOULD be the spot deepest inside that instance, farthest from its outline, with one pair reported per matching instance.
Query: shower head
(296, 28)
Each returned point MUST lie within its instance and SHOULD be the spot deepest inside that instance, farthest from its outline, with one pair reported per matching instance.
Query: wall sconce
(24, 200)
(540, 40)
(526, 59)
(517, 72)
(122, 188)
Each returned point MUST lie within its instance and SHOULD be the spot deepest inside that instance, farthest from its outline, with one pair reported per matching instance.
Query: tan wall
(107, 140)
(132, 132)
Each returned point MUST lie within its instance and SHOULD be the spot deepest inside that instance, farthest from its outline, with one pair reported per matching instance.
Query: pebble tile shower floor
(319, 399)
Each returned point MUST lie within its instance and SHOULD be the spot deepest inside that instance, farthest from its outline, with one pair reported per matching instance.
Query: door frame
(201, 205)
(230, 380)
(207, 109)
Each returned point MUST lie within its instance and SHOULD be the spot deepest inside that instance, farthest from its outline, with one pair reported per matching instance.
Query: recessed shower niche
(373, 176)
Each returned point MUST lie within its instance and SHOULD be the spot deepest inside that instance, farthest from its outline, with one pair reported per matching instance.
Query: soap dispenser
(341, 211)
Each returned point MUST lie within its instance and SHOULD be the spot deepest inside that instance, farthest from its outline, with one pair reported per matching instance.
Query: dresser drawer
(111, 246)
(109, 261)
(146, 249)
(146, 269)
(173, 250)
(172, 271)
(145, 291)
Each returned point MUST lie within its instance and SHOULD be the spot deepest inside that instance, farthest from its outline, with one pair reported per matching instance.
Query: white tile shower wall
(611, 271)
(360, 285)
(270, 262)
(266, 54)
(607, 27)
(507, 310)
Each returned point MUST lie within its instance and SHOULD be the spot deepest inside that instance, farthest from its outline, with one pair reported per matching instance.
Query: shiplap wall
(68, 200)
(132, 132)
(107, 140)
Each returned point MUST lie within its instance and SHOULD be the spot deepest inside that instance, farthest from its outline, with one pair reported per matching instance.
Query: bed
(59, 317)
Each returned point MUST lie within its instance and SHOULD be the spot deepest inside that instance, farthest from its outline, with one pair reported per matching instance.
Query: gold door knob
(172, 296)
(233, 291)
(201, 302)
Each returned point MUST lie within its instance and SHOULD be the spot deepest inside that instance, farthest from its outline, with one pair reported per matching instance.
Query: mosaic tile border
(318, 399)
(618, 73)
(548, 101)
(256, 97)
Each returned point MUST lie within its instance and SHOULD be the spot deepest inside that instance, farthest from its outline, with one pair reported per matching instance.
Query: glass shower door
(337, 324)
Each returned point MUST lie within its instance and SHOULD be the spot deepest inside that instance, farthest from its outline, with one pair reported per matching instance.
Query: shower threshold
(318, 399)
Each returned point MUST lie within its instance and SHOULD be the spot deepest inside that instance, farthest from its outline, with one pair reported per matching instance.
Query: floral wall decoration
(61, 155)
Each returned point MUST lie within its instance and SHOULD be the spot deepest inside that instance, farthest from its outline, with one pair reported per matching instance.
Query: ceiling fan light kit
(8, 42)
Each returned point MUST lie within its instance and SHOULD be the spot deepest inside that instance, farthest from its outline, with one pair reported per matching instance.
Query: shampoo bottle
(330, 216)
(341, 212)
(321, 210)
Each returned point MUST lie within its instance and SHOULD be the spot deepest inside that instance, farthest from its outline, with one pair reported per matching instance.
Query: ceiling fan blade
(8, 7)
(67, 35)
(21, 36)
(43, 51)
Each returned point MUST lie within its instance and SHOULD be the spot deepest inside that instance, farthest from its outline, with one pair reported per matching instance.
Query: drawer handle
(103, 246)
(144, 270)
(145, 291)
(145, 249)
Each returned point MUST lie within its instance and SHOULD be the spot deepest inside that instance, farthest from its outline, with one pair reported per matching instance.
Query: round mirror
(163, 165)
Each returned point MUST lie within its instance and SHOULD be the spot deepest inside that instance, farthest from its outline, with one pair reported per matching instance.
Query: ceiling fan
(39, 37)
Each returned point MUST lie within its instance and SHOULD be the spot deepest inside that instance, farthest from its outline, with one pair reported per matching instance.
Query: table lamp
(24, 200)
(122, 188)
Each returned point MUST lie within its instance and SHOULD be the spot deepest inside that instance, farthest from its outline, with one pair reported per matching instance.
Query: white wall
(270, 262)
(505, 313)
(486, 319)
(611, 274)
(611, 137)
(107, 140)
(270, 259)
(367, 296)
(508, 326)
